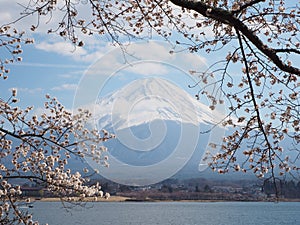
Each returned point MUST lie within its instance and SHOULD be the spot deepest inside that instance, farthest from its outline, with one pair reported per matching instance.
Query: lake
(169, 213)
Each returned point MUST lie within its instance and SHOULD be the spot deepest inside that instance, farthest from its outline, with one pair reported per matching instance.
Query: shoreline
(128, 199)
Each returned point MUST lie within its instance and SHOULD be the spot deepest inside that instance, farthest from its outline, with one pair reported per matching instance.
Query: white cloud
(5, 17)
(63, 48)
(30, 90)
(148, 68)
(49, 65)
(152, 58)
(88, 54)
(65, 87)
(75, 75)
(10, 11)
(91, 51)
(91, 57)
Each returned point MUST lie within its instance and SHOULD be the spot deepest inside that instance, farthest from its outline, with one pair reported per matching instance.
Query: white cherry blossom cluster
(36, 149)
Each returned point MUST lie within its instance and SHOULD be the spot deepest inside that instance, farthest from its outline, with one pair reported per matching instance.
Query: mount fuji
(145, 100)
(158, 128)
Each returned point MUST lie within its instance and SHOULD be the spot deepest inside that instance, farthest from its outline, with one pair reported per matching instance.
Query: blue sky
(42, 73)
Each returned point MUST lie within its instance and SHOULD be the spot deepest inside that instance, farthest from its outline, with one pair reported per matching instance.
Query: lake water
(169, 213)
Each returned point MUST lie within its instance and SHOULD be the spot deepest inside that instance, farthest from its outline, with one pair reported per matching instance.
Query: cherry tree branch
(256, 109)
(227, 17)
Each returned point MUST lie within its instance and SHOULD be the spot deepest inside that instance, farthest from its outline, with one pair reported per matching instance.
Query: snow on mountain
(146, 100)
(158, 128)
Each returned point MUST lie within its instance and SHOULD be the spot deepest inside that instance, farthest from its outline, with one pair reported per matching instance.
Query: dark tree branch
(226, 17)
(287, 50)
(257, 111)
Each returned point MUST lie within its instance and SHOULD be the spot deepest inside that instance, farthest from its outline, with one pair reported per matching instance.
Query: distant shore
(128, 199)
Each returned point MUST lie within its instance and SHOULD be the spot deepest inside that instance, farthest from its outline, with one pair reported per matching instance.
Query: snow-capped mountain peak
(146, 100)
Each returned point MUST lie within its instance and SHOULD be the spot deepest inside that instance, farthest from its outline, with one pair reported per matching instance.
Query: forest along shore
(183, 190)
(128, 199)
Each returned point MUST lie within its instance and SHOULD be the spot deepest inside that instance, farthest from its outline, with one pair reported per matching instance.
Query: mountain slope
(157, 125)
